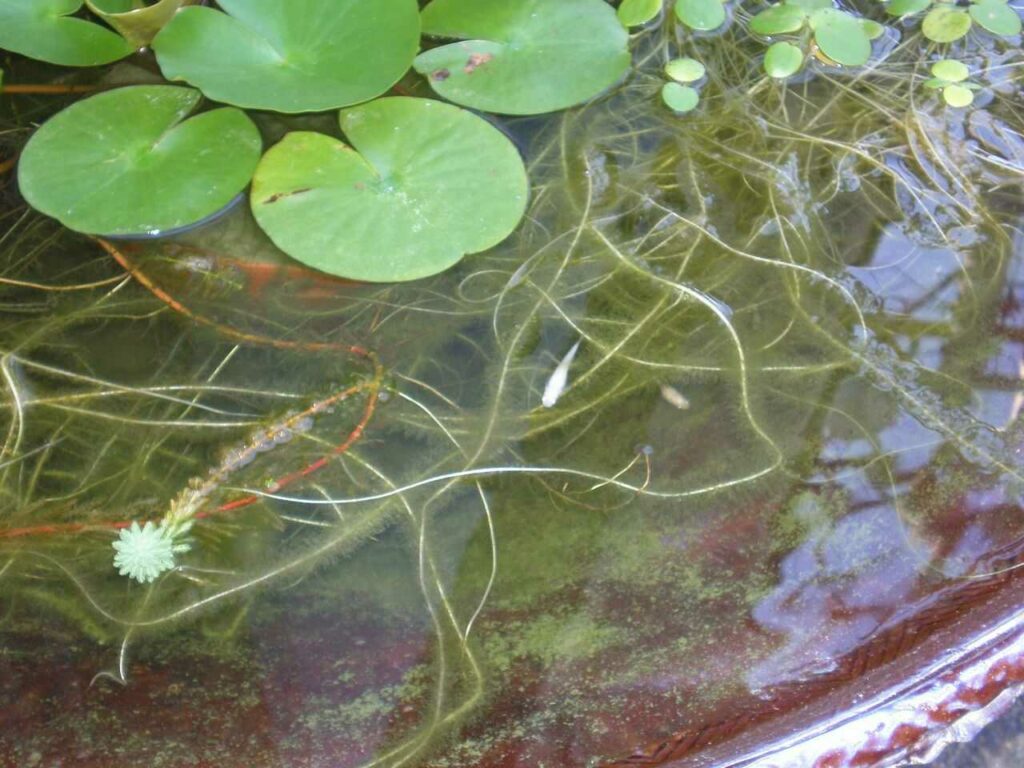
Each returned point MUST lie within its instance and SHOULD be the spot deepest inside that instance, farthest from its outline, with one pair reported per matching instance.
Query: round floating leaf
(633, 13)
(703, 15)
(778, 20)
(997, 17)
(426, 184)
(44, 29)
(679, 98)
(950, 70)
(523, 57)
(810, 5)
(138, 24)
(872, 28)
(841, 37)
(128, 161)
(945, 23)
(294, 56)
(957, 95)
(907, 7)
(685, 70)
(783, 60)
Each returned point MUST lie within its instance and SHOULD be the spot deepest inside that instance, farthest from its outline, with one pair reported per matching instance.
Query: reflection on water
(791, 427)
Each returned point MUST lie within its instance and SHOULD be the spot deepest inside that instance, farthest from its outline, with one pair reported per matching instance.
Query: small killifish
(674, 397)
(556, 384)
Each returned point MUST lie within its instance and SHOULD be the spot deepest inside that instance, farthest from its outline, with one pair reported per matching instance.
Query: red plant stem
(219, 475)
(47, 89)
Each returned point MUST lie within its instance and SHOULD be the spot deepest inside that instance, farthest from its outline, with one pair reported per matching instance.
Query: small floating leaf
(907, 7)
(131, 161)
(957, 95)
(945, 23)
(778, 20)
(810, 5)
(841, 36)
(423, 184)
(291, 56)
(997, 17)
(46, 30)
(679, 98)
(703, 15)
(523, 57)
(783, 60)
(633, 13)
(872, 28)
(685, 70)
(138, 25)
(950, 70)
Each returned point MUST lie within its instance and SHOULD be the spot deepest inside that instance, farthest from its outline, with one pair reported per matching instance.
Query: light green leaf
(935, 82)
(944, 24)
(46, 30)
(872, 29)
(131, 161)
(703, 15)
(997, 17)
(685, 70)
(679, 98)
(523, 57)
(957, 95)
(783, 60)
(138, 25)
(950, 70)
(294, 56)
(841, 37)
(810, 5)
(778, 20)
(423, 184)
(634, 13)
(907, 7)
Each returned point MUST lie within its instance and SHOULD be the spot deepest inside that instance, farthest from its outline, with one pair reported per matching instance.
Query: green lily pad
(523, 57)
(685, 70)
(810, 6)
(702, 15)
(633, 13)
(778, 20)
(945, 23)
(950, 70)
(679, 98)
(294, 56)
(423, 184)
(957, 95)
(136, 22)
(131, 161)
(907, 7)
(783, 60)
(45, 30)
(841, 36)
(997, 17)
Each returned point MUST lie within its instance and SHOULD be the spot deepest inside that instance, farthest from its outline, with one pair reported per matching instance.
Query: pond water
(790, 429)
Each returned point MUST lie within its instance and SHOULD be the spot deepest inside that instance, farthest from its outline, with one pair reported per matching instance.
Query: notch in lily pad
(423, 184)
(49, 30)
(134, 161)
(137, 21)
(523, 57)
(291, 56)
(950, 76)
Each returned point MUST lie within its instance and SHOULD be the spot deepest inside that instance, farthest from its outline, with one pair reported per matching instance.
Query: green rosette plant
(945, 21)
(840, 36)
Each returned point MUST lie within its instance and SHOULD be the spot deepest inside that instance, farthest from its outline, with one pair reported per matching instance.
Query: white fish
(674, 397)
(556, 384)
